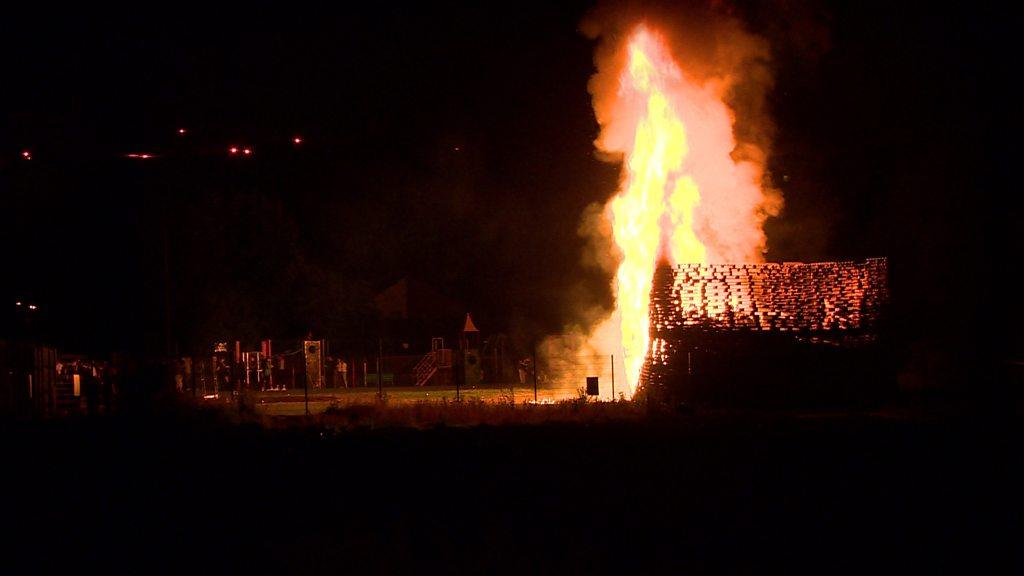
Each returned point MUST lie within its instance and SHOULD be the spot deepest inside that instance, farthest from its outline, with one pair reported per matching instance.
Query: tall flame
(683, 198)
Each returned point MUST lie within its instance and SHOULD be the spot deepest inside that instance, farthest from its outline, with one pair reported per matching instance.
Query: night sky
(452, 142)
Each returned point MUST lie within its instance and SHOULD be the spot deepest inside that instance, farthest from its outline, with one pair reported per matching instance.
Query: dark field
(186, 491)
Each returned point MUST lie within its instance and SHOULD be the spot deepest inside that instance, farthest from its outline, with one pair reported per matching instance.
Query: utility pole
(613, 377)
(168, 352)
(380, 376)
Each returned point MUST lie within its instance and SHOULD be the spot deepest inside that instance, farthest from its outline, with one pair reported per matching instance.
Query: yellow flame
(654, 189)
(689, 194)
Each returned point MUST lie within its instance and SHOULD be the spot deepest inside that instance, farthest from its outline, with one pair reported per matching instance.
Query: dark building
(28, 379)
(412, 312)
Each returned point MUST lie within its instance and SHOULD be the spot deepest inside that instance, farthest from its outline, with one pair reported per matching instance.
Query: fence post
(613, 377)
(534, 373)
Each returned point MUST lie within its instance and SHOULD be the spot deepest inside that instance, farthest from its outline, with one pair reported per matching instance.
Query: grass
(474, 412)
(692, 493)
(292, 402)
(338, 409)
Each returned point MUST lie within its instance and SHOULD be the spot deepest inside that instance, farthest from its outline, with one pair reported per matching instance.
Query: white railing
(425, 368)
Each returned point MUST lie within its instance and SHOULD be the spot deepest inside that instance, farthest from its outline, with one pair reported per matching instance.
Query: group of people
(340, 369)
(91, 380)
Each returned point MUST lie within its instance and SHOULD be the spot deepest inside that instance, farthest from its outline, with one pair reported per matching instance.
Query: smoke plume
(712, 84)
(716, 52)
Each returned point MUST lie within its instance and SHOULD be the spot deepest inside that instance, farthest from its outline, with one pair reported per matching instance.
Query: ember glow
(684, 198)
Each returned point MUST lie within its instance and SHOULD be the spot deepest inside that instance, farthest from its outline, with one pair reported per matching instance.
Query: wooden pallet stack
(804, 299)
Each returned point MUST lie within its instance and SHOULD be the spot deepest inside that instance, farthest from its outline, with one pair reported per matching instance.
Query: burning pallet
(720, 314)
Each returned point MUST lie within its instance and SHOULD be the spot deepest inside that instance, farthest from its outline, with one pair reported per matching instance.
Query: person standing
(90, 387)
(523, 369)
(341, 369)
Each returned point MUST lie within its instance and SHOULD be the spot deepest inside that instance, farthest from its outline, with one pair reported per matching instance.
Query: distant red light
(233, 150)
(247, 151)
(26, 155)
(297, 140)
(181, 131)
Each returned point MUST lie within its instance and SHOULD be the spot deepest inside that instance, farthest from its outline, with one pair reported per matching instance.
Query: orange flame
(683, 197)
